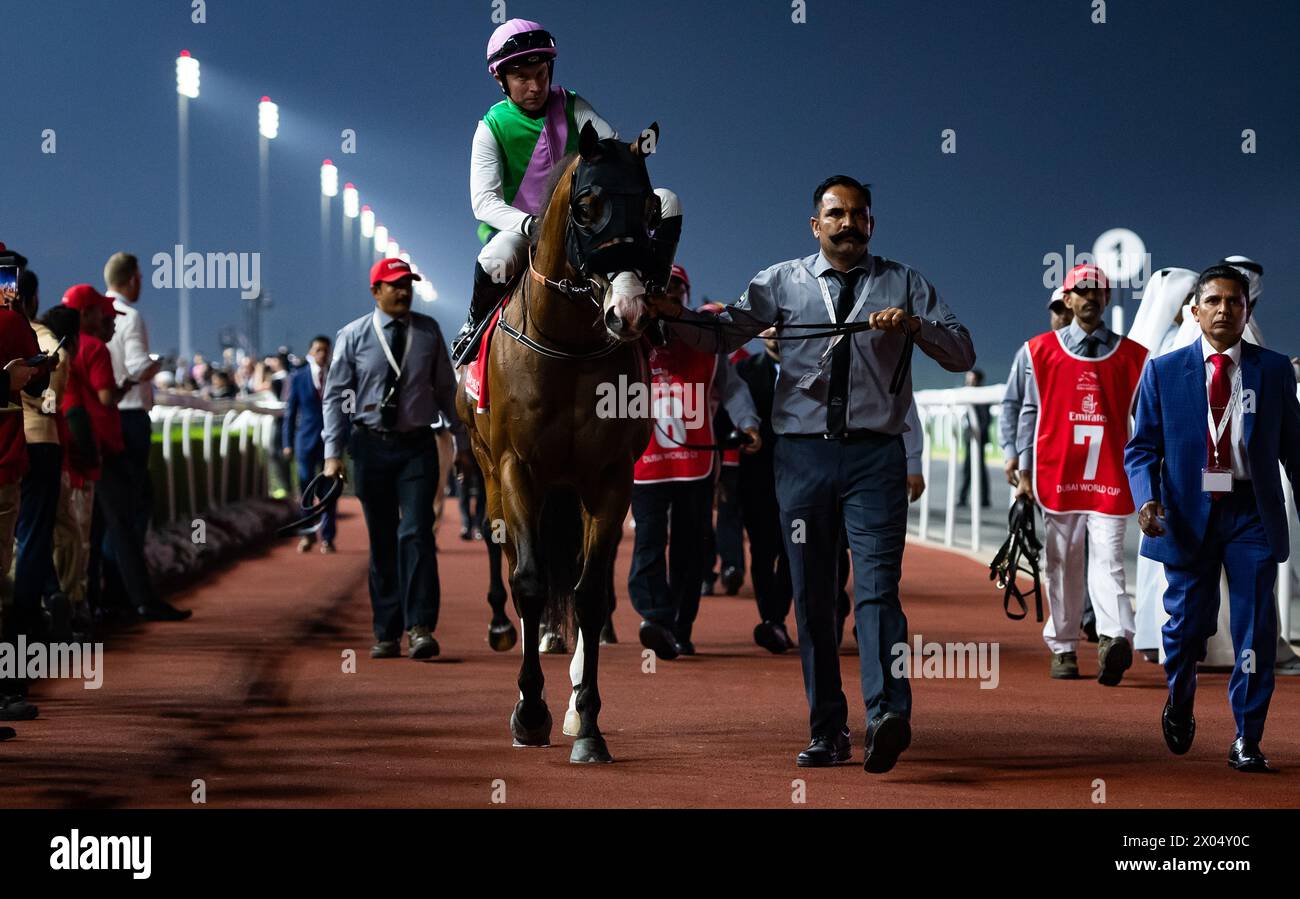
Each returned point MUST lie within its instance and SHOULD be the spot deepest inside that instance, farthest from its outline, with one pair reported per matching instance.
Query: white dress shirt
(130, 351)
(1240, 467)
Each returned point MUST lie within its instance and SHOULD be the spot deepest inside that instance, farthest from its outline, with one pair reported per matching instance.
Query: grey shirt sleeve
(444, 391)
(340, 384)
(1027, 422)
(941, 336)
(736, 399)
(913, 440)
(737, 324)
(1012, 397)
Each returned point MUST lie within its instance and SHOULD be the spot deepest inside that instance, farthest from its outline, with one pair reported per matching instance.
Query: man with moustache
(1079, 387)
(839, 458)
(1214, 420)
(389, 379)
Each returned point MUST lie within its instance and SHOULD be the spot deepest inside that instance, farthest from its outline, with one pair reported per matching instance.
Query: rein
(573, 292)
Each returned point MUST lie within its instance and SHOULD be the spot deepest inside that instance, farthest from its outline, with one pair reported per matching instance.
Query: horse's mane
(555, 189)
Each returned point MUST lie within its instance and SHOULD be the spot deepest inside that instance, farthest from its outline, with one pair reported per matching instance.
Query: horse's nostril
(613, 321)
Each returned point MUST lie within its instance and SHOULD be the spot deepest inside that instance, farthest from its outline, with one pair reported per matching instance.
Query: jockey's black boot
(487, 293)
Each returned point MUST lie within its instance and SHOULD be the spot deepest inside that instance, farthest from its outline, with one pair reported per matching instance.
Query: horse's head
(612, 212)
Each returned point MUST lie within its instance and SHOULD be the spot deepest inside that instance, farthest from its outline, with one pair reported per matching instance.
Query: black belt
(857, 436)
(413, 436)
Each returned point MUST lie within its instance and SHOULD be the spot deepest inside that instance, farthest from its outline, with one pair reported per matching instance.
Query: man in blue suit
(1214, 419)
(304, 422)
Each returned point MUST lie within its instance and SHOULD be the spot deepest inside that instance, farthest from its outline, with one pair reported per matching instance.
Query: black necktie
(836, 401)
(397, 345)
(1091, 345)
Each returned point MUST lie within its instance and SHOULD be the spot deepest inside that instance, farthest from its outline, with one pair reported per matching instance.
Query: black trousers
(672, 516)
(34, 561)
(769, 564)
(395, 479)
(117, 502)
(861, 486)
(137, 437)
(729, 530)
(963, 490)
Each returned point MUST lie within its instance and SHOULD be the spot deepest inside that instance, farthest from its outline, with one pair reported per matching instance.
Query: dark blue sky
(1064, 129)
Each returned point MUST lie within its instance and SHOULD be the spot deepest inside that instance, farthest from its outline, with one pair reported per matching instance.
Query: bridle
(568, 288)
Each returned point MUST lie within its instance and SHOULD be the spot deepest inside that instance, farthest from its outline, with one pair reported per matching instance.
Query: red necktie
(1220, 393)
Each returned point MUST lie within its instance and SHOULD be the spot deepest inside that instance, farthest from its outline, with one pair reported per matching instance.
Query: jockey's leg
(663, 246)
(496, 265)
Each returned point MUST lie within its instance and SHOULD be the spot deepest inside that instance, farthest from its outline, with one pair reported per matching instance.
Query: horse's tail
(561, 558)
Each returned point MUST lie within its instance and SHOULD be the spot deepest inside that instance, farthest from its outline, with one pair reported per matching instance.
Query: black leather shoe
(732, 580)
(823, 752)
(1245, 756)
(162, 611)
(767, 636)
(386, 649)
(887, 736)
(660, 639)
(7, 733)
(1179, 726)
(15, 708)
(784, 634)
(685, 646)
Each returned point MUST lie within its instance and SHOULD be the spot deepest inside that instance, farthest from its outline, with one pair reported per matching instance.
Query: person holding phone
(23, 372)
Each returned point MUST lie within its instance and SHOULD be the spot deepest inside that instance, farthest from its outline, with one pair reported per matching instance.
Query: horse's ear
(645, 144)
(587, 142)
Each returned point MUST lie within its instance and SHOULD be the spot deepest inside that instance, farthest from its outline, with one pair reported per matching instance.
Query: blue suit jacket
(303, 417)
(1167, 452)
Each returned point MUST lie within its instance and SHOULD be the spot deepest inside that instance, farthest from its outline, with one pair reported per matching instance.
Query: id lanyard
(388, 351)
(1225, 423)
(830, 310)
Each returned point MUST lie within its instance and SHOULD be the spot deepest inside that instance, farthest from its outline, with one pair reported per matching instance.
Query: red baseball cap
(391, 270)
(1085, 276)
(82, 297)
(679, 272)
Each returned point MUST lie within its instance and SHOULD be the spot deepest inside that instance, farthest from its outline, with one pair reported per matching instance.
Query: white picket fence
(225, 476)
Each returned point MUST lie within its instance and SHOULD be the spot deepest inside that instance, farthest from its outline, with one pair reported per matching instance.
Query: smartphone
(9, 286)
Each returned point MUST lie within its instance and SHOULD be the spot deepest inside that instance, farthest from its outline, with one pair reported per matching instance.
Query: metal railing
(247, 430)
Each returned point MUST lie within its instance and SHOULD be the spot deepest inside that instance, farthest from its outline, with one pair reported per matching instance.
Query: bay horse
(558, 474)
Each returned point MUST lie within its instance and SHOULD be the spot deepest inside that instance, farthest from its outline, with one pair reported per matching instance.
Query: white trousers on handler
(1064, 539)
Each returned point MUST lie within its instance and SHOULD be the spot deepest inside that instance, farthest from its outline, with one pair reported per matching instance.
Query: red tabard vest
(681, 379)
(1083, 425)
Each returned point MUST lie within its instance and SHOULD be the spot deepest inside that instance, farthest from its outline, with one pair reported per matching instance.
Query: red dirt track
(250, 697)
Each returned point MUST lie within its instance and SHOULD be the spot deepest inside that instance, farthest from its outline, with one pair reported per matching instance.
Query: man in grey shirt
(840, 459)
(390, 378)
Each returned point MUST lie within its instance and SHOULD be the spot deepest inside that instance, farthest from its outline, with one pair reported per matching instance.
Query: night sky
(1064, 128)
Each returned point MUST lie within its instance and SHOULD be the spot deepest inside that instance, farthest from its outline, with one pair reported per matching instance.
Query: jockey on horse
(516, 145)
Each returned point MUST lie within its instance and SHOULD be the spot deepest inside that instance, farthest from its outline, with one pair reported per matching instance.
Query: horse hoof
(502, 637)
(552, 644)
(572, 723)
(535, 737)
(590, 751)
